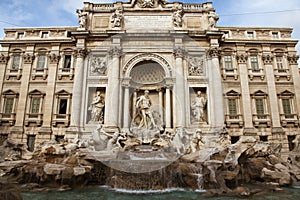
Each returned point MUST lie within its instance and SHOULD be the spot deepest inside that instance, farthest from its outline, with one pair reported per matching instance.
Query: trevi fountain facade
(151, 82)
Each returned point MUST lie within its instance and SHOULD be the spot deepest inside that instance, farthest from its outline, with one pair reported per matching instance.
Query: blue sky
(270, 13)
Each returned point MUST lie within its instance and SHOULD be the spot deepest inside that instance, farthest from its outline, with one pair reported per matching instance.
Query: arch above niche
(147, 57)
(147, 72)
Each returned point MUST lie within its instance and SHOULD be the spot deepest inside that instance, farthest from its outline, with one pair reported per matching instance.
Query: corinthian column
(216, 89)
(112, 90)
(77, 90)
(179, 97)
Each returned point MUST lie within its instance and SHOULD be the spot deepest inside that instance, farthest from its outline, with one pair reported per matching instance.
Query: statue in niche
(96, 108)
(143, 105)
(197, 106)
(98, 65)
(117, 18)
(212, 20)
(82, 19)
(177, 17)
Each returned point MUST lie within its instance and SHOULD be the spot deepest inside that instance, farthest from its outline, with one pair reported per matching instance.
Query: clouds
(63, 12)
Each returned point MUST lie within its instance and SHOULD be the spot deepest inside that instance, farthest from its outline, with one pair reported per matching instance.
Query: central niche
(147, 73)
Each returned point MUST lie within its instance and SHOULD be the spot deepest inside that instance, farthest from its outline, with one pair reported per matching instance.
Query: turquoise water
(96, 193)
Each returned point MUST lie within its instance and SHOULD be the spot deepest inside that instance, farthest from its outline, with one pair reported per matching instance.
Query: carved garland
(3, 59)
(28, 58)
(267, 59)
(54, 58)
(241, 58)
(293, 59)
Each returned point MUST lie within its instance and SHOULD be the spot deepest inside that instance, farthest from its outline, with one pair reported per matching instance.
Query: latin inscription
(148, 22)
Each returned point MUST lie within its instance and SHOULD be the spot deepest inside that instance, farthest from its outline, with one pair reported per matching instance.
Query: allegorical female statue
(96, 108)
(197, 107)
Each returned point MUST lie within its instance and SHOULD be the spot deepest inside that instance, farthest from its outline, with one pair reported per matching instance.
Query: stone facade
(62, 82)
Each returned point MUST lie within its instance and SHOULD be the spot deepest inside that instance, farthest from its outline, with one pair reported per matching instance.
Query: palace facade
(60, 82)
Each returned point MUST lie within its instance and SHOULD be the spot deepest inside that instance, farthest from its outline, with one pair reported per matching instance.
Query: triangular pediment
(232, 93)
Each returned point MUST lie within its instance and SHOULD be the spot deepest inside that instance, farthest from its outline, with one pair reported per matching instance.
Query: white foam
(168, 190)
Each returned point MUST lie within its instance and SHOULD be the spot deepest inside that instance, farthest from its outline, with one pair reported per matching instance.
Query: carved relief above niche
(98, 66)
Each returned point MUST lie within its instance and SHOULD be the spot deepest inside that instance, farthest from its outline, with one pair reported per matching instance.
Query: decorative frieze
(54, 58)
(3, 59)
(241, 58)
(28, 58)
(293, 59)
(267, 59)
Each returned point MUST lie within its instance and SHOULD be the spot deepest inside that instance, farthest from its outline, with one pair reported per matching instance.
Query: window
(8, 105)
(67, 62)
(260, 109)
(286, 105)
(45, 35)
(263, 138)
(259, 103)
(41, 62)
(291, 139)
(16, 62)
(254, 63)
(279, 62)
(250, 35)
(228, 62)
(234, 139)
(232, 106)
(30, 142)
(62, 107)
(20, 35)
(35, 105)
(275, 35)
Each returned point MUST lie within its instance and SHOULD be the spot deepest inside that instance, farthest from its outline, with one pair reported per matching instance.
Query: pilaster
(268, 62)
(53, 58)
(247, 110)
(28, 58)
(293, 62)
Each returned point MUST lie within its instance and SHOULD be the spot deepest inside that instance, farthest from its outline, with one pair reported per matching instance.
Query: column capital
(126, 82)
(54, 58)
(179, 52)
(3, 59)
(28, 58)
(293, 59)
(81, 52)
(214, 52)
(268, 59)
(241, 58)
(115, 51)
